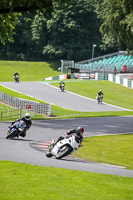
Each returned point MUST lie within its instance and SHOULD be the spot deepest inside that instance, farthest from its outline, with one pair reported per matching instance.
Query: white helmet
(27, 116)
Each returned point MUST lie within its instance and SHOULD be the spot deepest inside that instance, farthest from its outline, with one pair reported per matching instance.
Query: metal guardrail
(23, 104)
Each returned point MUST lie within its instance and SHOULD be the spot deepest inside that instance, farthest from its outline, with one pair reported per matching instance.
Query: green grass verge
(28, 71)
(113, 93)
(111, 149)
(25, 182)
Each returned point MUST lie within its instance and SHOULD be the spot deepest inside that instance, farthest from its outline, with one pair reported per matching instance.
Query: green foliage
(63, 33)
(7, 23)
(117, 27)
(40, 35)
(8, 6)
(8, 16)
(65, 29)
(73, 28)
(23, 47)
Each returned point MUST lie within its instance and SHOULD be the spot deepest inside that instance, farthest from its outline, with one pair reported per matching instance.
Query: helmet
(100, 90)
(80, 130)
(27, 116)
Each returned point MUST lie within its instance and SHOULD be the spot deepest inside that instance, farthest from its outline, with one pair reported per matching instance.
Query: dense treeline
(64, 29)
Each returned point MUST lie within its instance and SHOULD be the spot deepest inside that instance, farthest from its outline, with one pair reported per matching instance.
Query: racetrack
(65, 99)
(22, 150)
(31, 149)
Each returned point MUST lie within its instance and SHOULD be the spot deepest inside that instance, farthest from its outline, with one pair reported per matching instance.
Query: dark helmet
(80, 130)
(27, 116)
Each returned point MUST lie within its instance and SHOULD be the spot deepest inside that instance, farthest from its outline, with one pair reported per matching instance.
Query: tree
(67, 31)
(10, 9)
(7, 23)
(19, 6)
(40, 35)
(117, 26)
(73, 29)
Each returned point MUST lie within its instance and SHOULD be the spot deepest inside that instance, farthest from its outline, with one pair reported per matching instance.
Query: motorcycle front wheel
(48, 154)
(64, 151)
(11, 135)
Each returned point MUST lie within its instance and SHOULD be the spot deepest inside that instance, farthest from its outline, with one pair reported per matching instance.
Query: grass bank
(28, 71)
(113, 93)
(22, 181)
(111, 149)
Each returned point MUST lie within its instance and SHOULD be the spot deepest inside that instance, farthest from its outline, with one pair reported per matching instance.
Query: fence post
(20, 112)
(1, 114)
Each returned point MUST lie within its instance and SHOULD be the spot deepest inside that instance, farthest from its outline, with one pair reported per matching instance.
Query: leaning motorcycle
(64, 147)
(16, 129)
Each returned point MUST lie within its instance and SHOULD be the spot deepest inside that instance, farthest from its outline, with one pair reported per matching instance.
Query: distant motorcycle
(16, 129)
(99, 99)
(62, 87)
(16, 79)
(63, 147)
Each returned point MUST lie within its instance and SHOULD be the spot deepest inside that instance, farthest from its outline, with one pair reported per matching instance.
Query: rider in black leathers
(27, 121)
(79, 132)
(99, 94)
(16, 77)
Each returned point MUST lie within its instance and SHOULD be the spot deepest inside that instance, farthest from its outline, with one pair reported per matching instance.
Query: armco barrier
(35, 107)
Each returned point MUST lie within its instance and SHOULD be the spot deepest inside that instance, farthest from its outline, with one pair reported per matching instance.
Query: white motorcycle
(63, 147)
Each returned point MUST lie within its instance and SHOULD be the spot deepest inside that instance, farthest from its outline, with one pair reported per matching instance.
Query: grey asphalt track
(54, 96)
(19, 150)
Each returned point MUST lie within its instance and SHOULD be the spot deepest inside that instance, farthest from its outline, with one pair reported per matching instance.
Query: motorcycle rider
(61, 83)
(99, 94)
(16, 77)
(77, 132)
(27, 121)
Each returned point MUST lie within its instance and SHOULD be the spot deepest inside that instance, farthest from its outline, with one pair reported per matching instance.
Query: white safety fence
(122, 79)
